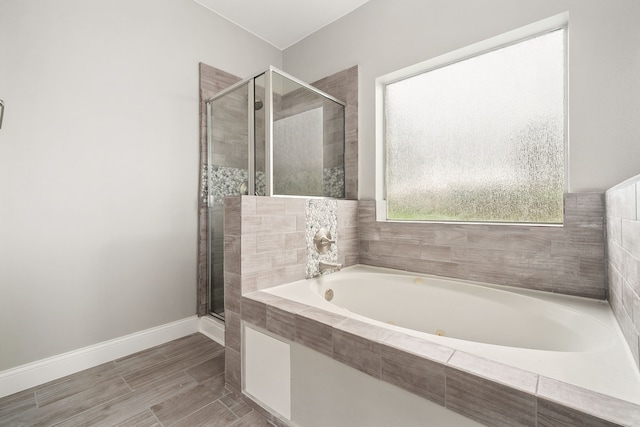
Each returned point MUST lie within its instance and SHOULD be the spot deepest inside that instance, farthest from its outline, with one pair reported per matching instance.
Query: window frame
(527, 32)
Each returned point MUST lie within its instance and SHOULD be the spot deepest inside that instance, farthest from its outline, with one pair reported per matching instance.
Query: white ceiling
(282, 22)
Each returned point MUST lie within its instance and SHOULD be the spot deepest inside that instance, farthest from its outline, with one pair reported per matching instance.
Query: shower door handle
(1, 112)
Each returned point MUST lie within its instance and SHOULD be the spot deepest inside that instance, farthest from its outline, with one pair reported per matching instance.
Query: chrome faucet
(324, 266)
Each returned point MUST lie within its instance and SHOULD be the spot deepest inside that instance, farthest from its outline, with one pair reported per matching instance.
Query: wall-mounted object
(1, 112)
(322, 241)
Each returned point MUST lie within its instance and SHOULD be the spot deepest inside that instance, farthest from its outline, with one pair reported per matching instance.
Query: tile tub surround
(568, 259)
(486, 391)
(265, 246)
(623, 263)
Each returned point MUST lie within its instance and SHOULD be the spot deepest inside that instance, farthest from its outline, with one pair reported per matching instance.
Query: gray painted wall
(99, 165)
(604, 90)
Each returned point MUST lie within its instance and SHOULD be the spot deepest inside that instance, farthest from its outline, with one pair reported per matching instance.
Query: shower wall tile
(568, 259)
(344, 86)
(623, 262)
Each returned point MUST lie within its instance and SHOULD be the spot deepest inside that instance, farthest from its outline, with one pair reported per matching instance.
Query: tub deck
(484, 382)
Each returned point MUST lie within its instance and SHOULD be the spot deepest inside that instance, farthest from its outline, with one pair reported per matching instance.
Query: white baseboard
(212, 328)
(32, 374)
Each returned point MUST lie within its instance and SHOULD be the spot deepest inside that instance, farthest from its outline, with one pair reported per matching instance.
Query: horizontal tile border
(493, 392)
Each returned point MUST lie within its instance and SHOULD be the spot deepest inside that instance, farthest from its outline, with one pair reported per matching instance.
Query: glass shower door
(308, 141)
(228, 176)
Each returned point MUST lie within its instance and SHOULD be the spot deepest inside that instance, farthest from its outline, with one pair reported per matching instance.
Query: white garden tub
(571, 339)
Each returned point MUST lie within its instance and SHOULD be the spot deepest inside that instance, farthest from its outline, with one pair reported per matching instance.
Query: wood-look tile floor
(180, 383)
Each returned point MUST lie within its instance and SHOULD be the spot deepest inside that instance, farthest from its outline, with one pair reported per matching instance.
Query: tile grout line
(154, 416)
(199, 409)
(232, 411)
(86, 410)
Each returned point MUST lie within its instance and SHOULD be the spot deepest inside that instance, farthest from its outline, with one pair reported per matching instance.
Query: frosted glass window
(482, 139)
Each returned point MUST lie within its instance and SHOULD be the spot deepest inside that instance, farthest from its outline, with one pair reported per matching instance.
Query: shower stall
(269, 135)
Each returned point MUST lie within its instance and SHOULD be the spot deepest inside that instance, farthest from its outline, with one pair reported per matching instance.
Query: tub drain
(328, 294)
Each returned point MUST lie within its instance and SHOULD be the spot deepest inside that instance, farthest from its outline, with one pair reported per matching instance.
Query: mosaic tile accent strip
(221, 181)
(333, 182)
(320, 213)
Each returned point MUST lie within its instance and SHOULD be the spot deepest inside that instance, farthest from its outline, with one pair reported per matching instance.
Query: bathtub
(570, 339)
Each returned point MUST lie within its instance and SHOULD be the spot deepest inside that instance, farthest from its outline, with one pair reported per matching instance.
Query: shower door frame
(251, 167)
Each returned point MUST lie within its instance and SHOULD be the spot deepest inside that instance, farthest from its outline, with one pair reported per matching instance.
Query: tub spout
(326, 266)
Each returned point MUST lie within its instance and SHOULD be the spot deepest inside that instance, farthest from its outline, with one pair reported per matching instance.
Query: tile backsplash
(568, 259)
(320, 214)
(623, 267)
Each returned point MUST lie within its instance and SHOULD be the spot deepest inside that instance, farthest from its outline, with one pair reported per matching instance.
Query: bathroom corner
(623, 261)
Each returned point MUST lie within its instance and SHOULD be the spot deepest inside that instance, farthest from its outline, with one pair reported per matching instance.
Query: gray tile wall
(568, 259)
(265, 246)
(623, 264)
(344, 86)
